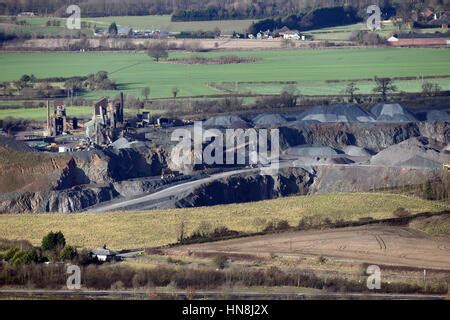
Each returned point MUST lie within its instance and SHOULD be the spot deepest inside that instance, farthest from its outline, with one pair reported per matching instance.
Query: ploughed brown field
(384, 245)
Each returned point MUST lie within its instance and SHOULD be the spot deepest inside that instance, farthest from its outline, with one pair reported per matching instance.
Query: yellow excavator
(447, 166)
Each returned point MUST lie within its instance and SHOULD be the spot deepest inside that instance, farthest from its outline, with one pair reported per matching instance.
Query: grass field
(37, 25)
(343, 33)
(163, 23)
(41, 113)
(321, 87)
(133, 71)
(123, 230)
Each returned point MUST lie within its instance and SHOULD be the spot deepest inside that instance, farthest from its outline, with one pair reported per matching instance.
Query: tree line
(201, 9)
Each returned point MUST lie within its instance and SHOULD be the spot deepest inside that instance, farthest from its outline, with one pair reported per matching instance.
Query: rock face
(36, 182)
(249, 187)
(117, 165)
(65, 201)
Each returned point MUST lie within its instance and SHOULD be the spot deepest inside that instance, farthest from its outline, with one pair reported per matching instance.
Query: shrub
(19, 258)
(118, 285)
(69, 253)
(220, 261)
(9, 254)
(308, 222)
(279, 225)
(53, 241)
(34, 256)
(204, 235)
(431, 89)
(322, 260)
(401, 213)
(85, 258)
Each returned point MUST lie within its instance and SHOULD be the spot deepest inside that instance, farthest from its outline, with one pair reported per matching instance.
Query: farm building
(406, 40)
(104, 254)
(26, 14)
(443, 21)
(288, 34)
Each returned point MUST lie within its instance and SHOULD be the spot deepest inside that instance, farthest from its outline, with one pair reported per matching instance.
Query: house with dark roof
(104, 254)
(414, 39)
(443, 21)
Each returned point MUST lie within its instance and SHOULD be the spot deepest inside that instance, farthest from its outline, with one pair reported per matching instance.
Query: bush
(10, 253)
(19, 258)
(118, 285)
(366, 38)
(12, 124)
(287, 99)
(431, 89)
(309, 222)
(85, 258)
(69, 253)
(53, 241)
(220, 261)
(401, 213)
(206, 233)
(279, 225)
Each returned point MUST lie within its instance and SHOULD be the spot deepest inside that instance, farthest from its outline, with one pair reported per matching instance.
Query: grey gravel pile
(337, 113)
(392, 113)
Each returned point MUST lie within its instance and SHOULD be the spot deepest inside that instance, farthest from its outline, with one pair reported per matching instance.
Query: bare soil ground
(385, 245)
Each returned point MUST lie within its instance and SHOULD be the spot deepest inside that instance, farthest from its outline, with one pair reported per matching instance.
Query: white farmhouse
(291, 35)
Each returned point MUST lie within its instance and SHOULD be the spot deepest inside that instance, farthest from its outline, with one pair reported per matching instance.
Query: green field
(133, 71)
(37, 25)
(125, 230)
(41, 113)
(164, 22)
(343, 33)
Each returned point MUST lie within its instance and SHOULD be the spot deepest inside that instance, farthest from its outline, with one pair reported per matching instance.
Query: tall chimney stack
(122, 105)
(49, 130)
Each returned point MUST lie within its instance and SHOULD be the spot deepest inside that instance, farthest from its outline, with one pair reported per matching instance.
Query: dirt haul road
(384, 245)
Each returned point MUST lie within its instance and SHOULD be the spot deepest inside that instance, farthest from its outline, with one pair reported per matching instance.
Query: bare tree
(158, 51)
(431, 89)
(384, 86)
(175, 91)
(181, 231)
(351, 90)
(146, 92)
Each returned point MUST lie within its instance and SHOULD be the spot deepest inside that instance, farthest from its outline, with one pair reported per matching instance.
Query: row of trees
(289, 96)
(384, 86)
(209, 9)
(193, 8)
